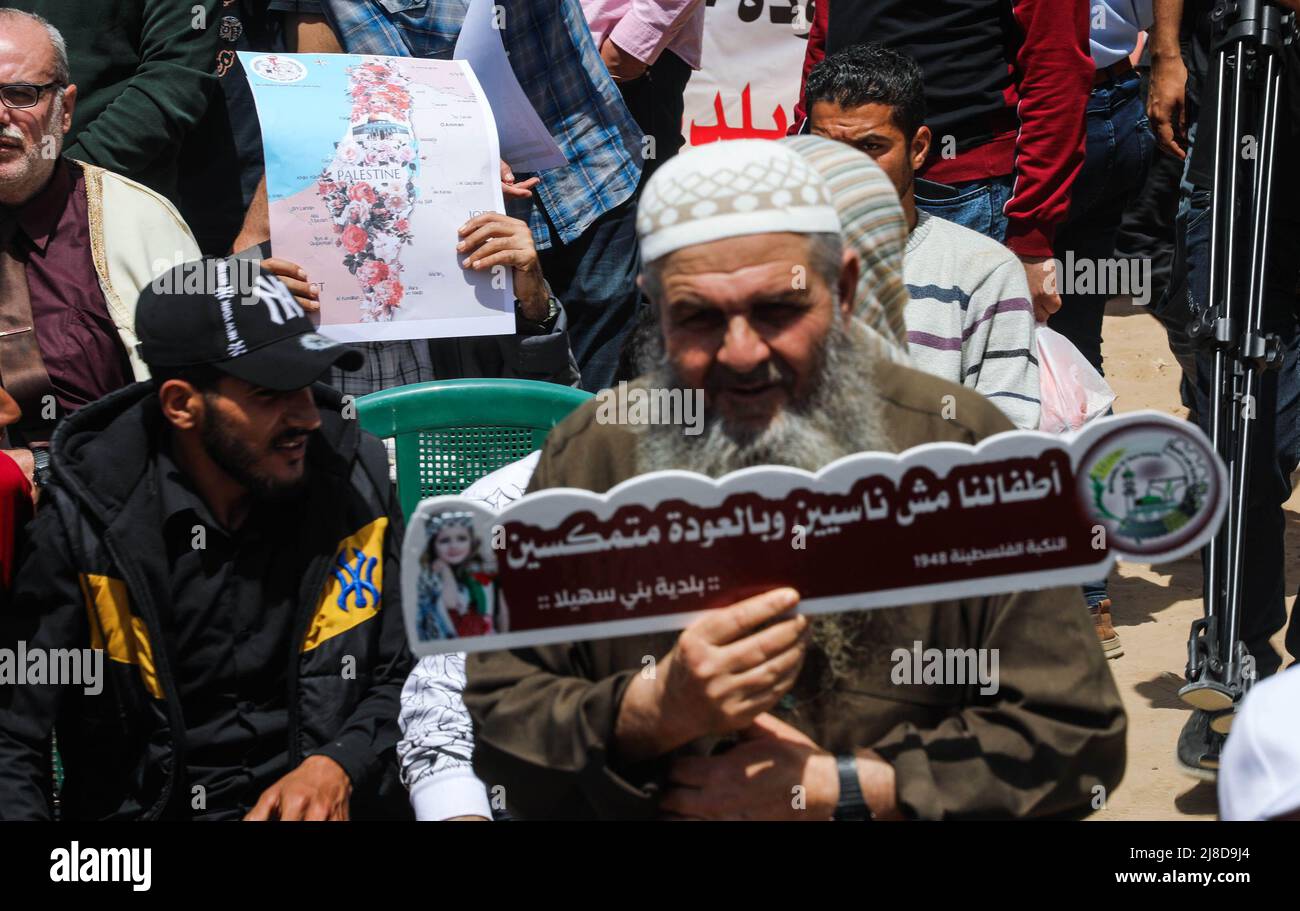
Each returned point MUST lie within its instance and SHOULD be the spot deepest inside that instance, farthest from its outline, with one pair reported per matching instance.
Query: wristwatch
(534, 327)
(41, 469)
(852, 806)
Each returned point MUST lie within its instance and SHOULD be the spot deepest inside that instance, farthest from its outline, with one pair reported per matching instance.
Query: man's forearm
(546, 358)
(437, 743)
(257, 221)
(876, 778)
(1166, 29)
(311, 35)
(24, 460)
(639, 731)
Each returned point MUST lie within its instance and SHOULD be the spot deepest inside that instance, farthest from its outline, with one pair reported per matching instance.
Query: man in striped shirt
(970, 319)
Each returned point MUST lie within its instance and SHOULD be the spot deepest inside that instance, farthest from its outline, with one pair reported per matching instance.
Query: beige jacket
(135, 235)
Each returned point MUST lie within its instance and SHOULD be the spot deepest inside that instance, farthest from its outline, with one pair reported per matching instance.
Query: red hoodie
(1032, 65)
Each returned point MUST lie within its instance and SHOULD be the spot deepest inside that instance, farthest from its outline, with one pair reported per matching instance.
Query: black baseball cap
(239, 318)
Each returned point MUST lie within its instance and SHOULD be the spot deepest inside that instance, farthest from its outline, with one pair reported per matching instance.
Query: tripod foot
(1207, 695)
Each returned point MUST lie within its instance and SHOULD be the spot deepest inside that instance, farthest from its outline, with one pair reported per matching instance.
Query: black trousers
(656, 103)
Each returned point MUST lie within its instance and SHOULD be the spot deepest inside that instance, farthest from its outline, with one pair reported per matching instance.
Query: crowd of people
(183, 474)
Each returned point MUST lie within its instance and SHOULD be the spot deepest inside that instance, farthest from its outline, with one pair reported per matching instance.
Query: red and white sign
(1022, 510)
(752, 59)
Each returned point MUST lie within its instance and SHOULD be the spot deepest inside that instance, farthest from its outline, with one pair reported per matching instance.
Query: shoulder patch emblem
(356, 578)
(354, 586)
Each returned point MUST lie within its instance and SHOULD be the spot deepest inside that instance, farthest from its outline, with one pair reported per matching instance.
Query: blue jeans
(974, 204)
(595, 279)
(1114, 171)
(1115, 165)
(1275, 450)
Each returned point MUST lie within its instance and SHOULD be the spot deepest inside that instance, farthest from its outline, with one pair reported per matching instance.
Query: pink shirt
(645, 28)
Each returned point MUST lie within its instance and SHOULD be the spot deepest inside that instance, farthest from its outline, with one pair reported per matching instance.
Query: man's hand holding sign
(727, 668)
(726, 671)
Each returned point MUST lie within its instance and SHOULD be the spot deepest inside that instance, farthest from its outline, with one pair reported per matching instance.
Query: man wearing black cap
(230, 539)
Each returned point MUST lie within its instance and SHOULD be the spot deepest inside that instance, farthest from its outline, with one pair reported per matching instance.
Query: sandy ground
(1154, 606)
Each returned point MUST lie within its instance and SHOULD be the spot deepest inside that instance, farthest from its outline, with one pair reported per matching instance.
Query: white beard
(841, 416)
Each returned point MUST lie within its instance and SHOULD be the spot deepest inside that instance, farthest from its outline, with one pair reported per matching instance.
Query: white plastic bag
(1071, 389)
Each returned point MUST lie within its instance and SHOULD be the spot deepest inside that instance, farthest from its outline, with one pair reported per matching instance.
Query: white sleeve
(437, 746)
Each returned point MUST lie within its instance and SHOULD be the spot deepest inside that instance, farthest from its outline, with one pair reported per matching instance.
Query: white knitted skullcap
(731, 189)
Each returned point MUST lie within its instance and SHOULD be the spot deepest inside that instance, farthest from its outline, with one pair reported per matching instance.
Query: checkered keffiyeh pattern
(873, 225)
(558, 65)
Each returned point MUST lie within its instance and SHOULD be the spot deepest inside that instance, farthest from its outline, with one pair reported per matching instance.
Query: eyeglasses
(24, 94)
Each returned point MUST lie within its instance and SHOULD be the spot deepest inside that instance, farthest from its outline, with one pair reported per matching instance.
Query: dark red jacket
(1007, 80)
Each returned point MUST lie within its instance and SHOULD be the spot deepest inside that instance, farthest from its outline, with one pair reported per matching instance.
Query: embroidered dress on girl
(453, 591)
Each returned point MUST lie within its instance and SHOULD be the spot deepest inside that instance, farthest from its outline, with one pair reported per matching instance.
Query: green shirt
(143, 71)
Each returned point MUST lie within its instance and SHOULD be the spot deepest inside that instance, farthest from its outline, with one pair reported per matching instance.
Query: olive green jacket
(1049, 742)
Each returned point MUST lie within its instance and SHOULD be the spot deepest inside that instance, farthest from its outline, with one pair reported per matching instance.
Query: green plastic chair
(450, 433)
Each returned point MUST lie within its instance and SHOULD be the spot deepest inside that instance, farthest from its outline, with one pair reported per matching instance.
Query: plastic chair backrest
(450, 433)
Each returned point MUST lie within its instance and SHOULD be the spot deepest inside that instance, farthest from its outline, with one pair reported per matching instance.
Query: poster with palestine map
(372, 164)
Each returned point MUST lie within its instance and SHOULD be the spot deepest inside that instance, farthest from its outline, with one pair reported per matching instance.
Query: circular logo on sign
(1152, 486)
(278, 69)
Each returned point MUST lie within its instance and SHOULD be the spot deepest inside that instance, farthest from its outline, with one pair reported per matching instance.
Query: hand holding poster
(1021, 510)
(372, 164)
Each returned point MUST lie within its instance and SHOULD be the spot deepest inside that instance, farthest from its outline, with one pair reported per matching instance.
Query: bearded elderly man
(755, 711)
(77, 243)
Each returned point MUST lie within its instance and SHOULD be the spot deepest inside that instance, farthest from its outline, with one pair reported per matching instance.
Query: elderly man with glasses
(77, 243)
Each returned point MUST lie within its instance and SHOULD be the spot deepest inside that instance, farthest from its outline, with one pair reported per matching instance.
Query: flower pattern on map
(369, 187)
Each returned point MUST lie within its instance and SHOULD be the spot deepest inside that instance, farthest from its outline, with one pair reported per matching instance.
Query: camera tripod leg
(1219, 668)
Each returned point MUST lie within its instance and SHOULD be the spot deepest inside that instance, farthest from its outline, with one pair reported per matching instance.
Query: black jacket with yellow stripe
(95, 576)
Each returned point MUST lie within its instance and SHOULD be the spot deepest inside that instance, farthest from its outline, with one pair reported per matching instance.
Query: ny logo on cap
(278, 300)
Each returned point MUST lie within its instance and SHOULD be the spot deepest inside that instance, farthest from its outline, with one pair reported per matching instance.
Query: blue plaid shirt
(556, 62)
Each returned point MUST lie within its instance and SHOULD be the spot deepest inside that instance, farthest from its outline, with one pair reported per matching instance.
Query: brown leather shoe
(1110, 644)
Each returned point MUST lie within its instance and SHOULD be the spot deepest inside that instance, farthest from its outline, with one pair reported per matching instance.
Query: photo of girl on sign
(454, 589)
